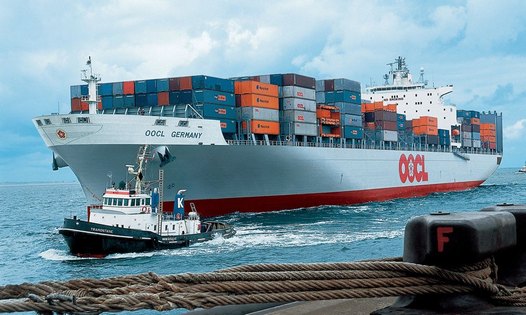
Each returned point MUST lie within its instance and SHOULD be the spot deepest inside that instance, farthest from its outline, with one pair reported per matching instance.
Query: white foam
(58, 255)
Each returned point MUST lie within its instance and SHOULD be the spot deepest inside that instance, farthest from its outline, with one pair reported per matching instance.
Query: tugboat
(132, 220)
(522, 169)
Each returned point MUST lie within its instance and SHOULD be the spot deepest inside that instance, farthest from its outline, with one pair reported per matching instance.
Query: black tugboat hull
(87, 239)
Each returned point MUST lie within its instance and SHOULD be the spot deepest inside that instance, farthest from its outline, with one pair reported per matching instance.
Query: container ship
(278, 141)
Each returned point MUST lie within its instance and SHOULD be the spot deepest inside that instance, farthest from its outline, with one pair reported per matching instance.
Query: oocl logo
(412, 168)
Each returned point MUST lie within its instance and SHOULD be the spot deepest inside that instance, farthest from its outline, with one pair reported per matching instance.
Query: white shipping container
(299, 104)
(257, 113)
(467, 143)
(300, 129)
(352, 120)
(476, 143)
(387, 135)
(264, 78)
(299, 116)
(296, 91)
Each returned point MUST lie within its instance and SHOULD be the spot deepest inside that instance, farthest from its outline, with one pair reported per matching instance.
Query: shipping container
(298, 103)
(383, 115)
(173, 84)
(487, 126)
(276, 79)
(330, 131)
(343, 96)
(128, 87)
(75, 104)
(162, 85)
(301, 129)
(75, 91)
(151, 86)
(186, 97)
(425, 130)
(348, 108)
(387, 135)
(444, 141)
(140, 87)
(351, 132)
(174, 97)
(203, 82)
(107, 102)
(466, 135)
(346, 84)
(298, 116)
(214, 97)
(163, 98)
(261, 127)
(433, 139)
(386, 125)
(129, 101)
(215, 111)
(425, 121)
(228, 125)
(369, 125)
(255, 100)
(299, 80)
(254, 87)
(84, 89)
(151, 99)
(264, 78)
(320, 97)
(475, 136)
(400, 117)
(299, 92)
(369, 117)
(443, 133)
(323, 113)
(105, 89)
(351, 120)
(140, 100)
(257, 113)
(118, 101)
(117, 88)
(185, 83)
(476, 144)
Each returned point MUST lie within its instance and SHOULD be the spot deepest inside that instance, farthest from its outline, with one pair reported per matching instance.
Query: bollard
(449, 240)
(512, 262)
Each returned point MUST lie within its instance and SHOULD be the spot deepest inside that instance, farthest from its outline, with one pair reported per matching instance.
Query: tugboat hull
(86, 239)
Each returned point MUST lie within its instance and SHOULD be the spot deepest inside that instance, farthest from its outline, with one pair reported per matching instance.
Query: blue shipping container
(443, 133)
(140, 87)
(351, 132)
(163, 85)
(218, 111)
(151, 86)
(345, 96)
(228, 126)
(118, 101)
(276, 79)
(214, 97)
(140, 100)
(74, 91)
(129, 100)
(117, 88)
(106, 89)
(203, 82)
(84, 89)
(107, 102)
(400, 118)
(348, 108)
(174, 97)
(186, 97)
(151, 99)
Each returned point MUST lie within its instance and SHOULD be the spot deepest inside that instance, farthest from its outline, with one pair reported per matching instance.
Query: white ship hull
(222, 178)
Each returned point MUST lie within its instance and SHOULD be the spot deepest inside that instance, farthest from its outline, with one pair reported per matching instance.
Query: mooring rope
(260, 283)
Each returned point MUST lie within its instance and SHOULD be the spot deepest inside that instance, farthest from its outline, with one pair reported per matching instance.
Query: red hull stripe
(216, 207)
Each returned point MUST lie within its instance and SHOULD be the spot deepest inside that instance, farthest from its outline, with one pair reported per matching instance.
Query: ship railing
(363, 144)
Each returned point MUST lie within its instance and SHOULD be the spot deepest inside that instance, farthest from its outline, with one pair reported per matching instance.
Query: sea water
(31, 249)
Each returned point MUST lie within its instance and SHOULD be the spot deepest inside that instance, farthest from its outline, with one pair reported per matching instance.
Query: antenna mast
(92, 80)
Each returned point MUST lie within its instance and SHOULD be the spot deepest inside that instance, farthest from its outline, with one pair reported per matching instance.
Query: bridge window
(183, 123)
(39, 122)
(83, 120)
(47, 121)
(160, 122)
(66, 120)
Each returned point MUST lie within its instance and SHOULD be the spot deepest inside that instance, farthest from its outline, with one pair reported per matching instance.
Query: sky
(477, 46)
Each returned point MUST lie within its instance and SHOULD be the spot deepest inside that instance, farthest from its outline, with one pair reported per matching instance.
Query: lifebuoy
(145, 209)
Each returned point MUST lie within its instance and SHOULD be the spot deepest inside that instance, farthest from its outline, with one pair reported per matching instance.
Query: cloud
(516, 130)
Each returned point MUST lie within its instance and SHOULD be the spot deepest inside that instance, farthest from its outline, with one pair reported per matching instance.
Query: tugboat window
(147, 201)
(155, 227)
(125, 202)
(166, 227)
(120, 202)
(133, 202)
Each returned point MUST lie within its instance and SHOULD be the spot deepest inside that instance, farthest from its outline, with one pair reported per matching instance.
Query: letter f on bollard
(442, 238)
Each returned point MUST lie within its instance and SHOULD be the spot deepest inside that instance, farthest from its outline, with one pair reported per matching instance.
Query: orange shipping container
(255, 100)
(378, 105)
(485, 132)
(488, 138)
(128, 87)
(487, 127)
(390, 108)
(262, 127)
(425, 130)
(323, 113)
(163, 98)
(255, 87)
(185, 83)
(425, 121)
(369, 107)
(475, 121)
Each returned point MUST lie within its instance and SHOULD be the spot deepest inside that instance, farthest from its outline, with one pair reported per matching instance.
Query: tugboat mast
(92, 80)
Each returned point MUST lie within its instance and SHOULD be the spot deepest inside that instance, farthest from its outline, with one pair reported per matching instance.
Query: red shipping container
(369, 126)
(173, 84)
(85, 106)
(386, 125)
(163, 99)
(323, 113)
(329, 85)
(488, 126)
(128, 87)
(185, 83)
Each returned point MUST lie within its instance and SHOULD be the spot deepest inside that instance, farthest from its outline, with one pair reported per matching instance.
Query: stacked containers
(496, 119)
(258, 107)
(344, 94)
(488, 136)
(469, 127)
(426, 127)
(298, 103)
(382, 119)
(79, 96)
(443, 137)
(329, 121)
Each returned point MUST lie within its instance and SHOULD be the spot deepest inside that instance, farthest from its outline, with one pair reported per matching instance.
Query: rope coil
(261, 283)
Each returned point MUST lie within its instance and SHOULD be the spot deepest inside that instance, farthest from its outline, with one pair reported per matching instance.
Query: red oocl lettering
(412, 168)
